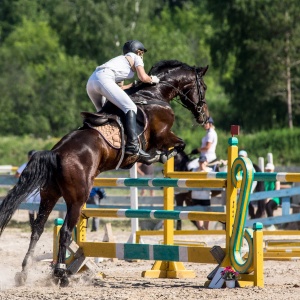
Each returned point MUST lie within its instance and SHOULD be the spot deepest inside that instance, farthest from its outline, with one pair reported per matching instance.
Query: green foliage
(38, 92)
(193, 50)
(263, 36)
(49, 48)
(283, 143)
(14, 149)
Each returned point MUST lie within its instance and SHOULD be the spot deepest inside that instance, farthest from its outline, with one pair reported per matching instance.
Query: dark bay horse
(69, 169)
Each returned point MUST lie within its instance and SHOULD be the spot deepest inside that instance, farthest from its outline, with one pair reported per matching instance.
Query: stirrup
(143, 154)
(137, 151)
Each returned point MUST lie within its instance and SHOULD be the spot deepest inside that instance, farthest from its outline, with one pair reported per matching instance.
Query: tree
(258, 41)
(98, 29)
(37, 90)
(50, 48)
(175, 40)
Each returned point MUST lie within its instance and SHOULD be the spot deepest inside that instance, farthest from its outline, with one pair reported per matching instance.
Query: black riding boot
(132, 145)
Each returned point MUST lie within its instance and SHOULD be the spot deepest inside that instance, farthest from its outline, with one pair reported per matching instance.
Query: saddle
(109, 124)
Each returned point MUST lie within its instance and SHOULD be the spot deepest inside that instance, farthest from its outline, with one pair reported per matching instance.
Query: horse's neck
(155, 97)
(147, 95)
(165, 91)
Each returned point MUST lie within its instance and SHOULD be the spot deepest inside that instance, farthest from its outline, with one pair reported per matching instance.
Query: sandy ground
(124, 281)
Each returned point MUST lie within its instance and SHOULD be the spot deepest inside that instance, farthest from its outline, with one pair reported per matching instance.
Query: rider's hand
(154, 79)
(195, 151)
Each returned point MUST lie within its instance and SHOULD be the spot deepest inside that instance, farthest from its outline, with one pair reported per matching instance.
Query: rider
(104, 82)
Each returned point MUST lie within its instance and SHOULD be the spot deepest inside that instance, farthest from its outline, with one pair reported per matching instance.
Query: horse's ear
(203, 70)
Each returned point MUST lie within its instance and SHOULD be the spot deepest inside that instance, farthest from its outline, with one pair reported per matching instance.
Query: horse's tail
(39, 170)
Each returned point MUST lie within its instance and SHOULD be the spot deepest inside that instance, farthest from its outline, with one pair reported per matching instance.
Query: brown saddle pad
(111, 133)
(110, 127)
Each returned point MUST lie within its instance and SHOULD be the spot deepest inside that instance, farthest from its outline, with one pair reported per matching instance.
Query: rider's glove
(195, 151)
(154, 79)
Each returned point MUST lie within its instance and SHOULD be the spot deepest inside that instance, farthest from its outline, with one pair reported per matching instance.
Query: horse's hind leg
(72, 216)
(60, 271)
(45, 209)
(251, 211)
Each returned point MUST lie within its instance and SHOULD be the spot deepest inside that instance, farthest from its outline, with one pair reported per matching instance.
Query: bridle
(201, 101)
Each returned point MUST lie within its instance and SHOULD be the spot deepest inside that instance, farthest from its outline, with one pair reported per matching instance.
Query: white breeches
(102, 83)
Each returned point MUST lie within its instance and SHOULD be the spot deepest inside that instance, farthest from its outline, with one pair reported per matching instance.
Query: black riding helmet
(133, 46)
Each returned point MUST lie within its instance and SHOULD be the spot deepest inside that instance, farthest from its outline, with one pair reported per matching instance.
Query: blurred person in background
(271, 203)
(209, 142)
(96, 195)
(146, 171)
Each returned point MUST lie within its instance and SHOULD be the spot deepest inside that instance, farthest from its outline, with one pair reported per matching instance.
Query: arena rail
(286, 217)
(7, 169)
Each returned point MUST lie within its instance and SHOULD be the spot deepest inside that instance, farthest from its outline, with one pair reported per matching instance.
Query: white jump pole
(134, 204)
(6, 169)
(270, 158)
(261, 163)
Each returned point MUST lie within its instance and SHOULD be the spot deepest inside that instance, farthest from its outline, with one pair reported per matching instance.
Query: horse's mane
(162, 65)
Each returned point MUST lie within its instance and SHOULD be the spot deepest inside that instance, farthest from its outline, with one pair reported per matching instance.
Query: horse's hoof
(64, 281)
(20, 278)
(59, 273)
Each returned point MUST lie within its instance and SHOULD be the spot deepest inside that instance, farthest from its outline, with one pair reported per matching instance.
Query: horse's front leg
(154, 157)
(162, 156)
(177, 144)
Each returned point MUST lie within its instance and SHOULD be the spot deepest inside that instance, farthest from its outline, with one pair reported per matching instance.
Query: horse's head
(179, 79)
(192, 94)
